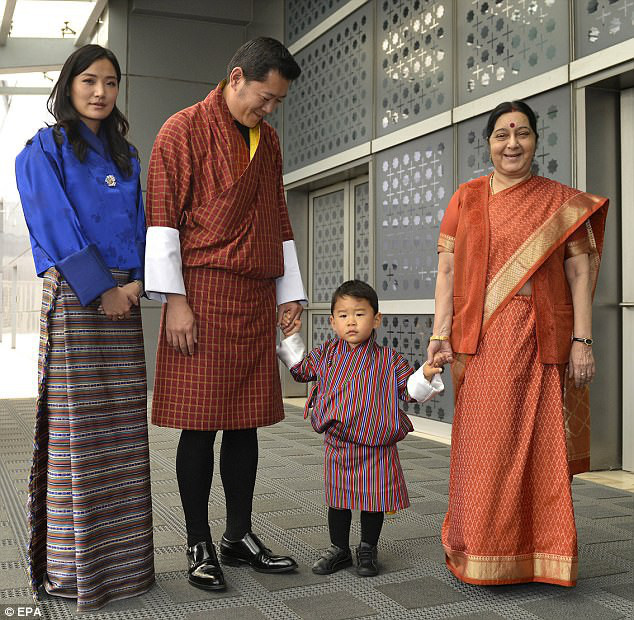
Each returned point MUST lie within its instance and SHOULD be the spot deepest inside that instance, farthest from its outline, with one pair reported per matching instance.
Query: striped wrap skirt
(90, 508)
(362, 477)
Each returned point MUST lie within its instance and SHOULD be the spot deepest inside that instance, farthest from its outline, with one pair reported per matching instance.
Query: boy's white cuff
(422, 390)
(290, 287)
(291, 350)
(163, 263)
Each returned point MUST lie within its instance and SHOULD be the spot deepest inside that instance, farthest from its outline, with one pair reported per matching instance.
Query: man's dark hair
(511, 106)
(358, 289)
(259, 56)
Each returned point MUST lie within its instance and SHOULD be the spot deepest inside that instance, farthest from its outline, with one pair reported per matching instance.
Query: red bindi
(512, 125)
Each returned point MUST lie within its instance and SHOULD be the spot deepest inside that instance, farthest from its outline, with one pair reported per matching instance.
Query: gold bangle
(441, 338)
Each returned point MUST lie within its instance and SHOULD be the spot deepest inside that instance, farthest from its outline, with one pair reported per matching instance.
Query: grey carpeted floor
(290, 517)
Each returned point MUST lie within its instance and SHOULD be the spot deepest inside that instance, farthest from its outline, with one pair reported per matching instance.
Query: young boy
(354, 403)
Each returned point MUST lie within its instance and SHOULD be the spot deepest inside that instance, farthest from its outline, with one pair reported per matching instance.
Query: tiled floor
(617, 479)
(290, 516)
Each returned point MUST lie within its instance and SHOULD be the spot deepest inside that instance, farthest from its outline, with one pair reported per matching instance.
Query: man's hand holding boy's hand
(290, 324)
(287, 313)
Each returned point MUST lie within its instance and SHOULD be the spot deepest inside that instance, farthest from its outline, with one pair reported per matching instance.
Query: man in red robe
(220, 255)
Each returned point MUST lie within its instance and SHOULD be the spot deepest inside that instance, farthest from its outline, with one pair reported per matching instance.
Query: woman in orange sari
(518, 261)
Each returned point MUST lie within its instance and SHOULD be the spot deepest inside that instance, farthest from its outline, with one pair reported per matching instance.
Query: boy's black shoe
(367, 565)
(332, 559)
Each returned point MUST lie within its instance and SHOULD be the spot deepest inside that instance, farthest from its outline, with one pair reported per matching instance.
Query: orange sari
(515, 436)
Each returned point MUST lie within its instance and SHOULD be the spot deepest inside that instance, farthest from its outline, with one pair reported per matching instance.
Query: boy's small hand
(429, 371)
(293, 328)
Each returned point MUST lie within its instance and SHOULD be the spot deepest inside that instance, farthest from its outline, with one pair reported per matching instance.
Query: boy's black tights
(194, 470)
(339, 521)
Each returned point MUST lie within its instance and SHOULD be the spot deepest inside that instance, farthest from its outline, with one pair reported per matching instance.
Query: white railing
(19, 300)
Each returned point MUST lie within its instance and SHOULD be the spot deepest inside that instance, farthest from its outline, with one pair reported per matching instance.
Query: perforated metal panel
(409, 334)
(275, 120)
(328, 245)
(507, 41)
(601, 23)
(362, 232)
(414, 55)
(303, 15)
(329, 107)
(320, 329)
(552, 158)
(414, 182)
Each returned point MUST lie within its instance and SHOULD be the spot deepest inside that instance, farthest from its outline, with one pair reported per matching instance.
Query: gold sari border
(446, 243)
(535, 250)
(574, 248)
(499, 570)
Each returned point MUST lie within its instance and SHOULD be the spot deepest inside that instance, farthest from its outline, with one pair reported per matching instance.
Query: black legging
(339, 521)
(194, 470)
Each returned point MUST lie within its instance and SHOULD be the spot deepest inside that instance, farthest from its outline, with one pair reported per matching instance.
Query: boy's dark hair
(59, 104)
(259, 56)
(358, 289)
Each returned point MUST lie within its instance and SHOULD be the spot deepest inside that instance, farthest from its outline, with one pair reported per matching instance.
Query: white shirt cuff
(291, 350)
(290, 287)
(422, 390)
(163, 264)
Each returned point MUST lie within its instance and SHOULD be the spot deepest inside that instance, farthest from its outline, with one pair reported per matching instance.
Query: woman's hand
(116, 303)
(581, 364)
(439, 353)
(180, 325)
(133, 292)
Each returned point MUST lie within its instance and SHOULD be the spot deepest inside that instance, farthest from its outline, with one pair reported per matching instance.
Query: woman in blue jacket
(89, 490)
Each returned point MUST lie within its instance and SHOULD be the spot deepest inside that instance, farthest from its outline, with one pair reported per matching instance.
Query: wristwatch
(586, 341)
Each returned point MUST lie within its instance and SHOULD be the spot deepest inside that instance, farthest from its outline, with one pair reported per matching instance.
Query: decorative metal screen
(328, 245)
(601, 23)
(409, 334)
(320, 329)
(303, 15)
(552, 158)
(414, 182)
(502, 42)
(276, 121)
(414, 55)
(362, 232)
(329, 107)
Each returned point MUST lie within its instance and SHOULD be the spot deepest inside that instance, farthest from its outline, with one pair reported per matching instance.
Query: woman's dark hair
(358, 289)
(259, 56)
(115, 126)
(511, 106)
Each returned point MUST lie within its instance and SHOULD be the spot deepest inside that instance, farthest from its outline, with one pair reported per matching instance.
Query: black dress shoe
(367, 565)
(331, 560)
(251, 551)
(204, 570)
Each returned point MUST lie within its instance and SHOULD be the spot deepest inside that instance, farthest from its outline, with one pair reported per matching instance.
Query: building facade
(386, 120)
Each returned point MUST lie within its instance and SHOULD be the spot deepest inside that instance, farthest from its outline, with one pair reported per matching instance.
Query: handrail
(10, 263)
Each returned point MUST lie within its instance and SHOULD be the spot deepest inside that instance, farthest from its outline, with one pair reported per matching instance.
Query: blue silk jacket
(84, 218)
